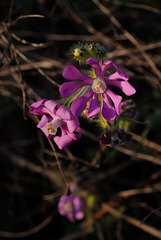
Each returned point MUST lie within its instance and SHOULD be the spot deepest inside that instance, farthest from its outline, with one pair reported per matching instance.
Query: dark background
(35, 39)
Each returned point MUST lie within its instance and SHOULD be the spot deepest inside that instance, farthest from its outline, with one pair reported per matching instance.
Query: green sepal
(80, 92)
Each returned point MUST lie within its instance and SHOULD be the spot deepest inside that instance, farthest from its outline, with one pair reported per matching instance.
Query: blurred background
(120, 186)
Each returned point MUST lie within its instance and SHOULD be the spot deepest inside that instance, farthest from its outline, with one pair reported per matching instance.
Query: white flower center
(49, 129)
(99, 86)
(52, 126)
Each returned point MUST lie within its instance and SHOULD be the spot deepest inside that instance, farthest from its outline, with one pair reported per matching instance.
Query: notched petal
(68, 88)
(95, 64)
(72, 73)
(38, 103)
(94, 107)
(108, 111)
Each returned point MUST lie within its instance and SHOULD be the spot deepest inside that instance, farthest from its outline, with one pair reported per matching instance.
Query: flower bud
(97, 50)
(114, 137)
(82, 51)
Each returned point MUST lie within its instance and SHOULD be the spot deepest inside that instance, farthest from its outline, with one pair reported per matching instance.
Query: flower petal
(79, 215)
(72, 73)
(38, 103)
(108, 111)
(64, 113)
(63, 200)
(76, 135)
(94, 107)
(117, 75)
(44, 120)
(79, 104)
(95, 64)
(106, 65)
(68, 88)
(42, 124)
(50, 105)
(72, 125)
(77, 203)
(65, 140)
(39, 111)
(126, 87)
(116, 100)
(70, 216)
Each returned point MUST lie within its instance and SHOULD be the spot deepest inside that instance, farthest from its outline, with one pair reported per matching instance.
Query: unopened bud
(82, 51)
(97, 50)
(114, 137)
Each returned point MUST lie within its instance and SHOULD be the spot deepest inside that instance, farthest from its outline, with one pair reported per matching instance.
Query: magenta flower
(100, 86)
(71, 207)
(55, 116)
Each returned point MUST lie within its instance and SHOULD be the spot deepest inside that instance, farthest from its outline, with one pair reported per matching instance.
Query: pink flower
(71, 206)
(55, 116)
(99, 86)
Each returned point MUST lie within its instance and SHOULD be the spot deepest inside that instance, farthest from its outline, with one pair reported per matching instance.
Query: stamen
(52, 126)
(68, 207)
(49, 129)
(98, 85)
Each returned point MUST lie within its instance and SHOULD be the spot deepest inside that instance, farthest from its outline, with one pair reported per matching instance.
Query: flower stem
(104, 123)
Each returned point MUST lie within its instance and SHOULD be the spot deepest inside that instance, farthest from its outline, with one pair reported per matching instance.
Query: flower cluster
(90, 94)
(94, 96)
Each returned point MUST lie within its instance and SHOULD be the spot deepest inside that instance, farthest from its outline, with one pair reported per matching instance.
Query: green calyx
(82, 51)
(97, 51)
(80, 54)
(80, 92)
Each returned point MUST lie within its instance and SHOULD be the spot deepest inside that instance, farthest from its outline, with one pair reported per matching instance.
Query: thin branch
(26, 42)
(25, 16)
(146, 142)
(131, 192)
(136, 155)
(59, 165)
(29, 232)
(106, 208)
(129, 36)
(138, 5)
(37, 68)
